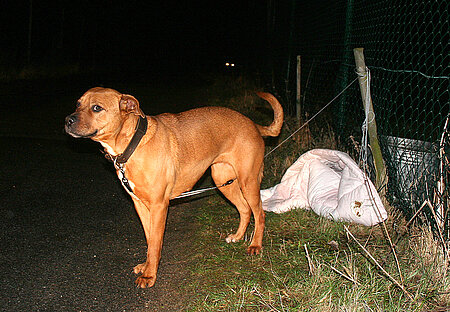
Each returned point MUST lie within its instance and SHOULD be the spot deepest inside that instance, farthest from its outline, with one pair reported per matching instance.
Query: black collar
(139, 132)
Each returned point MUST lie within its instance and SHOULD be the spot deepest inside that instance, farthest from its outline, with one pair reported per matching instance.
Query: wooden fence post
(371, 123)
(298, 95)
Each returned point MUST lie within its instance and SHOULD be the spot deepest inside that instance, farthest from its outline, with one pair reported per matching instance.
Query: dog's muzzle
(70, 127)
(70, 123)
(70, 120)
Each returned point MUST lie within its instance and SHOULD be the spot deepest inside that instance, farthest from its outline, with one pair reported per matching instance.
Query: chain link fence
(406, 45)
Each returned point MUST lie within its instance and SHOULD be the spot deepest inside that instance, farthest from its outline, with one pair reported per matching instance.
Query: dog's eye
(78, 104)
(97, 108)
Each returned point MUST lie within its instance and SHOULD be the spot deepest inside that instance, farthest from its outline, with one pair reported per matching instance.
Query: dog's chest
(127, 184)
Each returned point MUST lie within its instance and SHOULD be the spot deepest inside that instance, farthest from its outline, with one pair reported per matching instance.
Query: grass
(310, 263)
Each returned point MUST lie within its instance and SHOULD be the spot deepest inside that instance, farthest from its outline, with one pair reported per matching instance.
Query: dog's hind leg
(250, 187)
(221, 173)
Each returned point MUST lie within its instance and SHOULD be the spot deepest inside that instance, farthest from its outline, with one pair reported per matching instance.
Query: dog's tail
(278, 115)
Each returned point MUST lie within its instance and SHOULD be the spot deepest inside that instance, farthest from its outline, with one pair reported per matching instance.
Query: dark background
(145, 36)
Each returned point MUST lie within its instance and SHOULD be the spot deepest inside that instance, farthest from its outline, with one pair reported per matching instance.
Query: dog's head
(100, 113)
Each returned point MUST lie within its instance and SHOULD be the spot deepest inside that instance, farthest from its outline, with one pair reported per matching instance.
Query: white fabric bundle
(331, 184)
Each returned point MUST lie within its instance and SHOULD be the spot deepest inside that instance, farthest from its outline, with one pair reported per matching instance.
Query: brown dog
(174, 152)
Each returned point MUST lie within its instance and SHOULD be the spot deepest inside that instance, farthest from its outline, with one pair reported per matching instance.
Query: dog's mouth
(72, 127)
(93, 134)
(81, 136)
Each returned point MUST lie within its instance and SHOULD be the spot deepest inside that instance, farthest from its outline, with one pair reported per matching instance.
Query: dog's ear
(129, 104)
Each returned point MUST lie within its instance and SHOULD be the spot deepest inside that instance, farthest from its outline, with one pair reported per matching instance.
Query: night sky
(133, 34)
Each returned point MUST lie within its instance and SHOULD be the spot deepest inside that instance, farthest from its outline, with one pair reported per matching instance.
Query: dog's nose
(71, 119)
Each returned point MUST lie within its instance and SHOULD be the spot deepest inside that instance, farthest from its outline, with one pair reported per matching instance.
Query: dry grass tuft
(430, 264)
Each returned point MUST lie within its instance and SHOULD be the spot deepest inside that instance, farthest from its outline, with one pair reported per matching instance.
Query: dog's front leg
(144, 215)
(153, 217)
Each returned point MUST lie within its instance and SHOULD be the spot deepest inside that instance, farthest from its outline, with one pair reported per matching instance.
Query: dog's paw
(254, 250)
(232, 238)
(139, 268)
(145, 281)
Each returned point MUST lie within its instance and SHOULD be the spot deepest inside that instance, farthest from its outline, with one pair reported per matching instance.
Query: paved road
(69, 235)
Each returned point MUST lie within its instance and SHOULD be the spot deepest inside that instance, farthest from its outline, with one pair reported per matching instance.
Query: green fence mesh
(406, 48)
